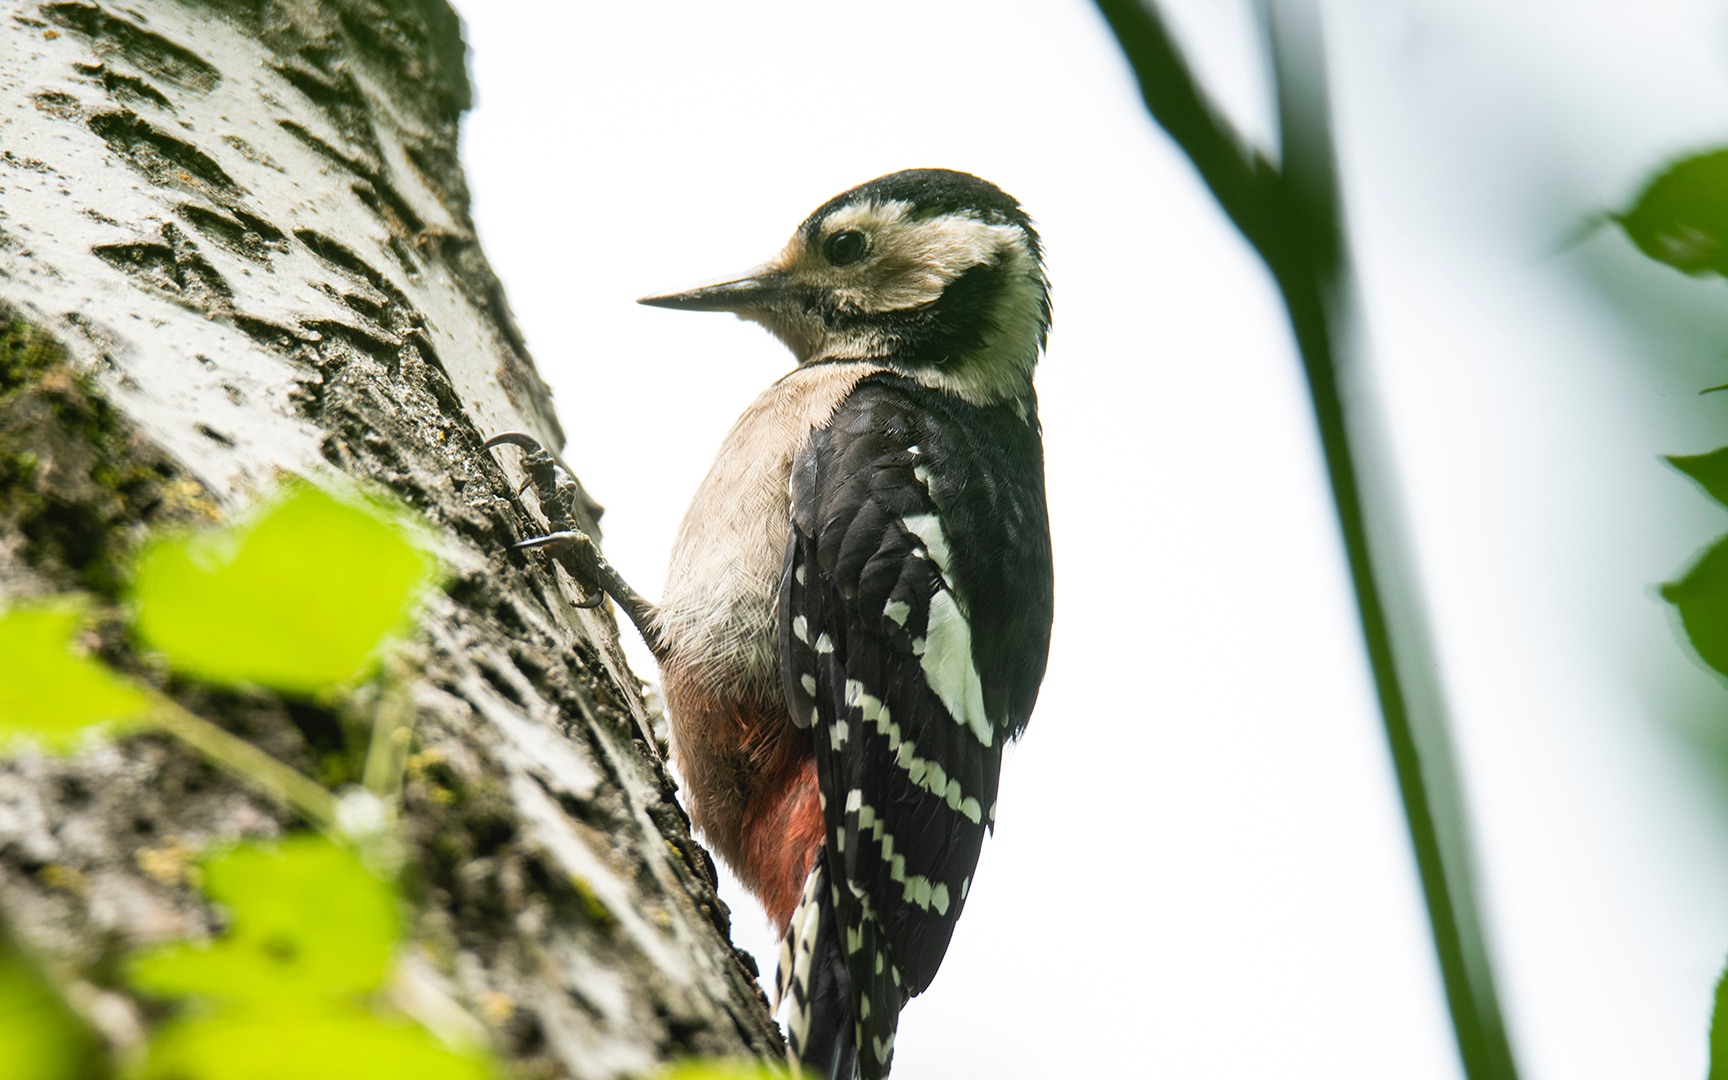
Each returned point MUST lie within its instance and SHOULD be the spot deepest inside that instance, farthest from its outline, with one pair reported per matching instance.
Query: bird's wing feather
(914, 621)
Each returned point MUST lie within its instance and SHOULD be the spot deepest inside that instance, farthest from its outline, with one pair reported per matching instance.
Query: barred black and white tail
(812, 984)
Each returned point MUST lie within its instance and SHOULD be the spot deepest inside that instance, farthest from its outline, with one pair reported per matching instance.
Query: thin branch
(1243, 181)
(1294, 220)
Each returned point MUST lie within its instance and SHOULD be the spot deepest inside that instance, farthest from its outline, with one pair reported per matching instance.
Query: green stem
(1292, 216)
(300, 794)
(392, 729)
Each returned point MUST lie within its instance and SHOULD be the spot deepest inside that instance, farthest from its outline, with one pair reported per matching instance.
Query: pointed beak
(759, 289)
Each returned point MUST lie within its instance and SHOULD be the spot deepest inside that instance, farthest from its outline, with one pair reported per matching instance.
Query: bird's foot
(555, 488)
(574, 549)
(579, 554)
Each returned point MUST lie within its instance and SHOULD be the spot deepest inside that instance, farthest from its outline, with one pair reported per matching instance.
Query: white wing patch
(948, 667)
(928, 528)
(947, 656)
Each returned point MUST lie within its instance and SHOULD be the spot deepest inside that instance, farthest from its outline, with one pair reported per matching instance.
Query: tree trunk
(235, 244)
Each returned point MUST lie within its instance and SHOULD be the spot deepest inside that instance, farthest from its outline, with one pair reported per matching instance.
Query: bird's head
(934, 273)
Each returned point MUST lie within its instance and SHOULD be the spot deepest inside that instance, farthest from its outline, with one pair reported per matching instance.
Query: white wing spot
(808, 682)
(801, 628)
(898, 610)
(916, 888)
(927, 774)
(884, 1048)
(824, 644)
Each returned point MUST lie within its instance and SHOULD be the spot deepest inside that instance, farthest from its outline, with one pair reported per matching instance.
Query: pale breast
(717, 612)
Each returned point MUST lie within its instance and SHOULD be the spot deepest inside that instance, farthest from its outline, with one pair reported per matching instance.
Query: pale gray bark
(235, 244)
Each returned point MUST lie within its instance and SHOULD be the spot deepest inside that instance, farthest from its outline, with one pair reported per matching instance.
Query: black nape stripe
(939, 333)
(957, 323)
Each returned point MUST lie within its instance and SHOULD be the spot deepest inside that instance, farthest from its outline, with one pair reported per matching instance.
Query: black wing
(914, 624)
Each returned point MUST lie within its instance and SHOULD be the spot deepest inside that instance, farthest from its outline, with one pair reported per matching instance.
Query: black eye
(844, 247)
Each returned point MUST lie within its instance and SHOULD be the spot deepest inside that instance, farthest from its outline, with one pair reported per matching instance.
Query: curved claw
(576, 539)
(548, 540)
(513, 438)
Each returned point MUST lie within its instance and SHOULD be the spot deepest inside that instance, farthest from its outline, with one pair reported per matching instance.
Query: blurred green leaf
(1719, 1031)
(1681, 218)
(284, 994)
(301, 598)
(48, 690)
(1702, 597)
(1710, 470)
(276, 1043)
(308, 920)
(41, 1038)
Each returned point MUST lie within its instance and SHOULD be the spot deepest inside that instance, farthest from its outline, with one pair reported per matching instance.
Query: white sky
(1200, 867)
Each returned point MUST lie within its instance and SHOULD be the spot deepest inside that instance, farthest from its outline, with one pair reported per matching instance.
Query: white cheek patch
(910, 263)
(910, 260)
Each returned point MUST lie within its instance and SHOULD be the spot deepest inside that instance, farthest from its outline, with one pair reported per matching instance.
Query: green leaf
(1702, 597)
(1710, 470)
(276, 1043)
(42, 1038)
(48, 690)
(1681, 219)
(308, 920)
(302, 598)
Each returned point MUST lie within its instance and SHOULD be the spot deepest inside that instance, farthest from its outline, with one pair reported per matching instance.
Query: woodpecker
(857, 613)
